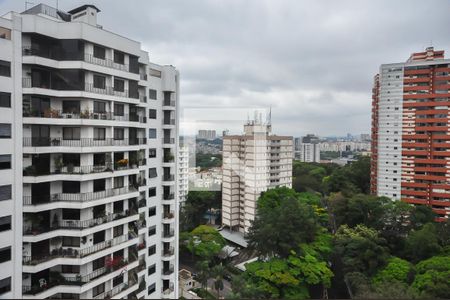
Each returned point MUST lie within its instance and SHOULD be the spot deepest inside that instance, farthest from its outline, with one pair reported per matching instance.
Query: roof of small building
(83, 7)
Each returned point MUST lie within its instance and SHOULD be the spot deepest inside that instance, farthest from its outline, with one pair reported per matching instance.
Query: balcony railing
(169, 102)
(168, 121)
(167, 290)
(168, 233)
(77, 197)
(77, 224)
(168, 140)
(167, 270)
(109, 63)
(168, 252)
(77, 253)
(170, 196)
(86, 114)
(143, 98)
(116, 290)
(168, 215)
(68, 169)
(168, 177)
(143, 76)
(82, 142)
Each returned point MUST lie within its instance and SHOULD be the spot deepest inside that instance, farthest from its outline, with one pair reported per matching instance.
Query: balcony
(168, 177)
(166, 291)
(168, 233)
(168, 121)
(167, 140)
(76, 224)
(117, 290)
(84, 115)
(167, 270)
(168, 157)
(77, 253)
(68, 169)
(169, 196)
(143, 98)
(168, 215)
(82, 142)
(168, 102)
(167, 252)
(80, 197)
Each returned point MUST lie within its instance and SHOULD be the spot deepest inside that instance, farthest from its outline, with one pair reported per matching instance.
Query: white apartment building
(88, 198)
(252, 163)
(183, 173)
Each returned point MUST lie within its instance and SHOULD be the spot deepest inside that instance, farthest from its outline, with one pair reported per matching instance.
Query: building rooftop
(81, 8)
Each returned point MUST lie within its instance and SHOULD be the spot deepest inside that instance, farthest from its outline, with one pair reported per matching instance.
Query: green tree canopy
(423, 243)
(433, 277)
(397, 269)
(204, 241)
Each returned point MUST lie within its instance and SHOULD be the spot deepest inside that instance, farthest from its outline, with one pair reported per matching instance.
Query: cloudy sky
(311, 61)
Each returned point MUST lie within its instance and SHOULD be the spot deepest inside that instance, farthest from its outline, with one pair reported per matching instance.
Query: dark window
(99, 81)
(97, 290)
(118, 182)
(133, 89)
(119, 133)
(152, 192)
(5, 285)
(119, 85)
(99, 237)
(5, 131)
(118, 206)
(5, 192)
(117, 280)
(99, 134)
(99, 107)
(5, 99)
(98, 263)
(70, 214)
(152, 152)
(5, 68)
(152, 133)
(134, 64)
(151, 269)
(71, 133)
(71, 107)
(119, 57)
(152, 94)
(71, 241)
(71, 187)
(5, 223)
(152, 113)
(152, 231)
(152, 211)
(118, 231)
(151, 250)
(119, 109)
(5, 254)
(70, 269)
(99, 52)
(151, 289)
(152, 173)
(5, 161)
(99, 185)
(71, 159)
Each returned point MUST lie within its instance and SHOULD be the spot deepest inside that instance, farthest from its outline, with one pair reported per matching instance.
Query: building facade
(88, 194)
(306, 149)
(183, 173)
(252, 163)
(410, 131)
(206, 134)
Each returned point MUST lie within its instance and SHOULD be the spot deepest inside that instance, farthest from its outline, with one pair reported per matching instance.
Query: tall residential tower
(410, 131)
(88, 196)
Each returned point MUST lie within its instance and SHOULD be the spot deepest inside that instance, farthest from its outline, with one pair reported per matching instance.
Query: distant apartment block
(252, 163)
(183, 173)
(88, 200)
(410, 131)
(306, 149)
(206, 134)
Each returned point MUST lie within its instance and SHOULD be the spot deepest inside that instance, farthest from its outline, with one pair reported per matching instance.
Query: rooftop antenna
(57, 2)
(269, 119)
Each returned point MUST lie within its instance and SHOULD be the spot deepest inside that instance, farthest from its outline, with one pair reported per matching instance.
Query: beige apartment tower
(252, 163)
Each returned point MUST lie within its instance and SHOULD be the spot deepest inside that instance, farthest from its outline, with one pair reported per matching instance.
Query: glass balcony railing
(82, 142)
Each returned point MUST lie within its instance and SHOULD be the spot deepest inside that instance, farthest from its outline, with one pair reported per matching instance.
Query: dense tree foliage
(206, 161)
(192, 214)
(204, 242)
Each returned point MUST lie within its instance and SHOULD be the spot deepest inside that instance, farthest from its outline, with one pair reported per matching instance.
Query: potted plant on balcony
(122, 163)
(56, 142)
(58, 164)
(29, 171)
(84, 114)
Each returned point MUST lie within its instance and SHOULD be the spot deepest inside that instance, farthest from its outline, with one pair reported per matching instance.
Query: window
(97, 290)
(5, 131)
(119, 57)
(5, 99)
(151, 250)
(71, 107)
(152, 133)
(5, 223)
(5, 161)
(5, 285)
(99, 237)
(152, 113)
(71, 133)
(5, 254)
(99, 81)
(98, 263)
(5, 33)
(99, 134)
(119, 133)
(70, 269)
(99, 52)
(118, 231)
(151, 269)
(152, 211)
(151, 152)
(118, 182)
(71, 187)
(99, 107)
(152, 173)
(152, 192)
(151, 289)
(71, 159)
(152, 230)
(99, 185)
(152, 94)
(5, 68)
(70, 214)
(117, 280)
(119, 85)
(5, 192)
(119, 109)
(118, 207)
(71, 241)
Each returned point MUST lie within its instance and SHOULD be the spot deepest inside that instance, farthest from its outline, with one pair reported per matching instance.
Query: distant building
(252, 163)
(307, 149)
(206, 134)
(365, 137)
(183, 173)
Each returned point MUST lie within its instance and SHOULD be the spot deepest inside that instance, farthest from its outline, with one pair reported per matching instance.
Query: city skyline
(290, 55)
